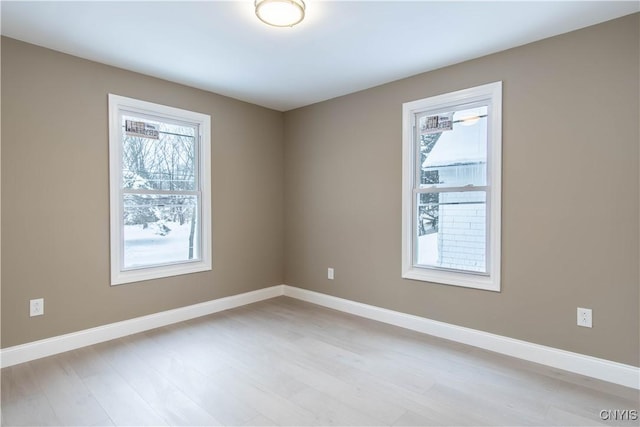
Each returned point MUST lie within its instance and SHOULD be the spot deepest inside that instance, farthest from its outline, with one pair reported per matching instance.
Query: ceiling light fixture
(280, 13)
(469, 120)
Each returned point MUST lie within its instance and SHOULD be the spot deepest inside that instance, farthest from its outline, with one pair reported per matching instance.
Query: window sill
(466, 280)
(149, 273)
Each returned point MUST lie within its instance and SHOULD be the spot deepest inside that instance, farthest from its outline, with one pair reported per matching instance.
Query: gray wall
(570, 227)
(55, 195)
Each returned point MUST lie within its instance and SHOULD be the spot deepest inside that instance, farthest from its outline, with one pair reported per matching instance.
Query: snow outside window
(160, 190)
(451, 188)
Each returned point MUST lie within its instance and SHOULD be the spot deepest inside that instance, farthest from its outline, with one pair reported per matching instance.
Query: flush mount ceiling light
(280, 13)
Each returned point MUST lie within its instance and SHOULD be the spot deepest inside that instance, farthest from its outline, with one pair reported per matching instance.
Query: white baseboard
(602, 369)
(618, 373)
(50, 346)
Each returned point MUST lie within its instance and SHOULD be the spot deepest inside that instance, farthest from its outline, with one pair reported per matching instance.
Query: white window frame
(120, 275)
(492, 93)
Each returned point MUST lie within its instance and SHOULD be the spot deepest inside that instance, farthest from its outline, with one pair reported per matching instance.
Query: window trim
(120, 275)
(491, 92)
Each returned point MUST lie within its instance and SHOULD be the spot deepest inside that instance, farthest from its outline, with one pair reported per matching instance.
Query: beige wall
(570, 194)
(55, 195)
(570, 175)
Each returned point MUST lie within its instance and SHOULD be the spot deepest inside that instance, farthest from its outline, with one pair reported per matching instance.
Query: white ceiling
(341, 47)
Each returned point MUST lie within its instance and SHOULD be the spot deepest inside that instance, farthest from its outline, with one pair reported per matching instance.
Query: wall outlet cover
(36, 307)
(585, 317)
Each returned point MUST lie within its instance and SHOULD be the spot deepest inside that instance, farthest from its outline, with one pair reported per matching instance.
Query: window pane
(451, 230)
(456, 157)
(160, 229)
(163, 163)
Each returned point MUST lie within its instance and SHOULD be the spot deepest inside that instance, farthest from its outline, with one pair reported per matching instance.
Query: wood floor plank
(32, 410)
(558, 416)
(288, 362)
(121, 402)
(260, 421)
(305, 357)
(355, 397)
(281, 410)
(195, 384)
(89, 361)
(161, 395)
(69, 397)
(410, 419)
(19, 382)
(329, 410)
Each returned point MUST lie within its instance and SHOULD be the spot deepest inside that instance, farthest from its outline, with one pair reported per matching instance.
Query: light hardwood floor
(286, 362)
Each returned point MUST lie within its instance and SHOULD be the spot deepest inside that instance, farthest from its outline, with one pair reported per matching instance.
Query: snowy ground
(143, 246)
(428, 249)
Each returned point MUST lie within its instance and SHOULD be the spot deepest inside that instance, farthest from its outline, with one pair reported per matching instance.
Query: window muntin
(451, 188)
(160, 196)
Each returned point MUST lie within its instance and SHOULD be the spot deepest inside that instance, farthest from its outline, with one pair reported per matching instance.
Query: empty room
(311, 213)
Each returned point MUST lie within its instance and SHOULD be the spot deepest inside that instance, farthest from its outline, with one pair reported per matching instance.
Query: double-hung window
(160, 180)
(452, 188)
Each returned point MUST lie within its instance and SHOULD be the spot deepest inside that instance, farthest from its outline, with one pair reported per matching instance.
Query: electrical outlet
(585, 317)
(36, 307)
(330, 273)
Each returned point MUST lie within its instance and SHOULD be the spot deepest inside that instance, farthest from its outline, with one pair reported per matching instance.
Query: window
(160, 190)
(451, 188)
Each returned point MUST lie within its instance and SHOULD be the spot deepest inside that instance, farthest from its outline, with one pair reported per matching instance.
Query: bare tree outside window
(160, 195)
(428, 204)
